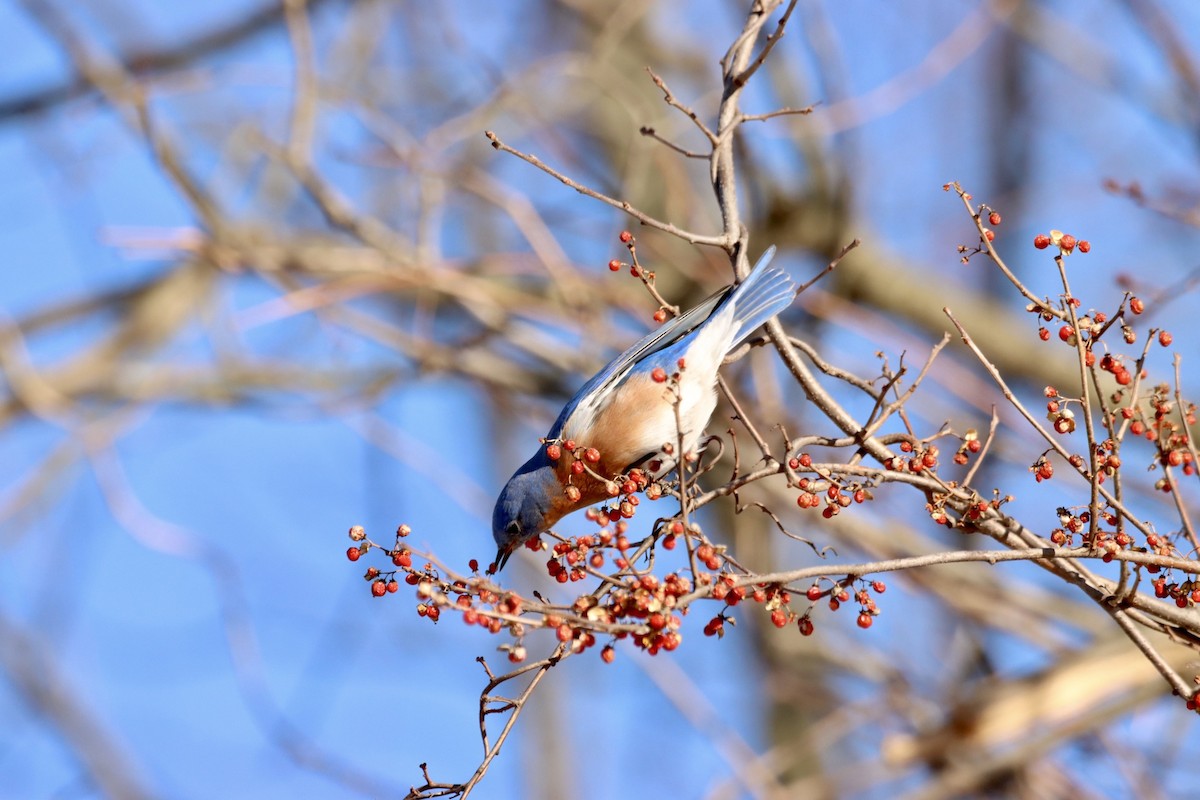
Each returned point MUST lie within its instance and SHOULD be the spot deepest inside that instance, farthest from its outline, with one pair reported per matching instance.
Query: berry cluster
(637, 606)
(1065, 242)
(585, 483)
(971, 445)
(916, 459)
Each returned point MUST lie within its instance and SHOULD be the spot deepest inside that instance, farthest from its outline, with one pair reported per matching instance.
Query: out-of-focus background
(264, 278)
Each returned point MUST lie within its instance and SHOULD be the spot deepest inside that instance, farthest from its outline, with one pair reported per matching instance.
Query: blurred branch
(34, 673)
(148, 60)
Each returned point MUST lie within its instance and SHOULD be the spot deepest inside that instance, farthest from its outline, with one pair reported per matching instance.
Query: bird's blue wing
(764, 293)
(617, 369)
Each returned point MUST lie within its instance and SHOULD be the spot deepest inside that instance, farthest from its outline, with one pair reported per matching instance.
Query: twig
(1177, 684)
(304, 93)
(640, 216)
(516, 706)
(772, 40)
(653, 134)
(831, 266)
(969, 478)
(687, 111)
(780, 112)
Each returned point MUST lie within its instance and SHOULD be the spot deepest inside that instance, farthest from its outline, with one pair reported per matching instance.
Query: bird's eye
(513, 529)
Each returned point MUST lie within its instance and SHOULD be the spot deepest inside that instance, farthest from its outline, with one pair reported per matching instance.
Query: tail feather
(765, 292)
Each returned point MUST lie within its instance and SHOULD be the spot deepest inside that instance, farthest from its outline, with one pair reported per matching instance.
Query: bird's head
(523, 507)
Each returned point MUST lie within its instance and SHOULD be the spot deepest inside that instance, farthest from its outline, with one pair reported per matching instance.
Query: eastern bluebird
(628, 416)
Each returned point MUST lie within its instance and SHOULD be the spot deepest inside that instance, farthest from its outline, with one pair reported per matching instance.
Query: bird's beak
(502, 556)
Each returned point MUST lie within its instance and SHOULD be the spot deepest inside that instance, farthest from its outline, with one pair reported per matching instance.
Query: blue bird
(626, 415)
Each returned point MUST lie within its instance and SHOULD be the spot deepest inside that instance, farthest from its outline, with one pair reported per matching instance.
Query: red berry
(1136, 305)
(393, 587)
(473, 564)
(1066, 332)
(402, 559)
(989, 234)
(994, 218)
(1044, 334)
(1067, 242)
(353, 554)
(1041, 241)
(379, 588)
(805, 625)
(658, 375)
(1165, 338)
(1085, 246)
(879, 586)
(626, 237)
(865, 620)
(660, 315)
(573, 494)
(553, 452)
(614, 265)
(592, 455)
(608, 654)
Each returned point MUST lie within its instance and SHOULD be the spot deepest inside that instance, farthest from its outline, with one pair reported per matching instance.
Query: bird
(623, 416)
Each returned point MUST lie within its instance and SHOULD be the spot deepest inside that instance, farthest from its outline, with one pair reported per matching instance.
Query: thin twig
(656, 136)
(687, 111)
(640, 216)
